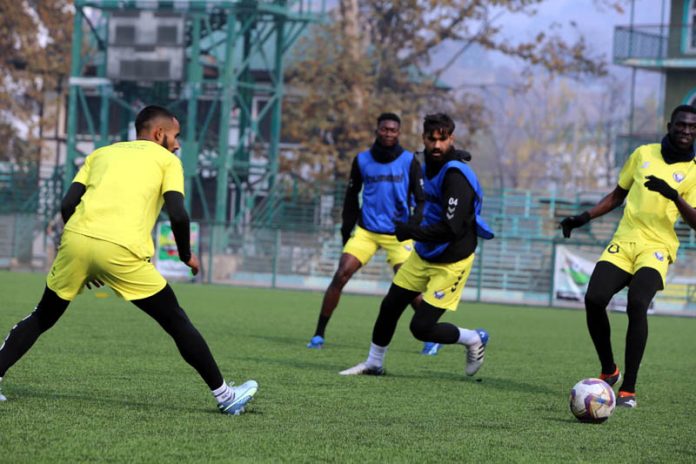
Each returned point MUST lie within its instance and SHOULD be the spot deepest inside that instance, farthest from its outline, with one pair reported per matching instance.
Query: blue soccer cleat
(316, 343)
(242, 395)
(476, 353)
(431, 348)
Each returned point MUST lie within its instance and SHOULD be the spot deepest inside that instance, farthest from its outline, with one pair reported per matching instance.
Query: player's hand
(403, 231)
(194, 264)
(93, 281)
(658, 185)
(573, 222)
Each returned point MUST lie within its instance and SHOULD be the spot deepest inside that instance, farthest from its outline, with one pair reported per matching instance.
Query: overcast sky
(595, 23)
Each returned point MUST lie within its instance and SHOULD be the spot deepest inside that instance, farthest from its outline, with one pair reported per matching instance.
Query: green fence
(290, 238)
(301, 250)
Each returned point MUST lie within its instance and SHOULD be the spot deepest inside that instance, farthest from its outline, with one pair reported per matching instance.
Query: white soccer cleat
(476, 352)
(363, 369)
(242, 395)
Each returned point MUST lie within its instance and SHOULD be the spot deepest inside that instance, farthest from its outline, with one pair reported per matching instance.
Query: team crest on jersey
(408, 247)
(646, 164)
(439, 294)
(678, 176)
(660, 257)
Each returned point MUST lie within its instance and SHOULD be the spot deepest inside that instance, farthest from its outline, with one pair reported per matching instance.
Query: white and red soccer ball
(592, 400)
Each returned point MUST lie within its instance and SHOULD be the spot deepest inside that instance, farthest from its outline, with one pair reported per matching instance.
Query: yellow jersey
(649, 217)
(125, 183)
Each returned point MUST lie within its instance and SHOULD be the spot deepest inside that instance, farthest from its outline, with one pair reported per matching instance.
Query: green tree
(378, 55)
(35, 40)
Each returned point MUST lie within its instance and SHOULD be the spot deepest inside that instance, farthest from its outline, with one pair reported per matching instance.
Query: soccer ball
(592, 400)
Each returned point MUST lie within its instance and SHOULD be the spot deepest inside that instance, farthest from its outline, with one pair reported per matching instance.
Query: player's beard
(165, 143)
(433, 165)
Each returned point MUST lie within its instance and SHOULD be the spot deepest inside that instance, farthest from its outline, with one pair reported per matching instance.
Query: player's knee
(420, 329)
(341, 278)
(596, 299)
(637, 304)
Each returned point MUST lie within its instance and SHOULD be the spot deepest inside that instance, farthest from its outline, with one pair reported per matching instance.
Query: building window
(690, 20)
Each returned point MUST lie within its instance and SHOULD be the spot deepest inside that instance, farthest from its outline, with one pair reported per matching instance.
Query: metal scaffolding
(228, 97)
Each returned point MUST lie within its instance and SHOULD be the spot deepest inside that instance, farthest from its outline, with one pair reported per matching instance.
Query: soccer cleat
(612, 378)
(431, 348)
(476, 352)
(363, 369)
(626, 399)
(316, 343)
(242, 395)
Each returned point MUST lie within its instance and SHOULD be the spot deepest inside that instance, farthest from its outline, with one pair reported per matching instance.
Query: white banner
(571, 274)
(167, 255)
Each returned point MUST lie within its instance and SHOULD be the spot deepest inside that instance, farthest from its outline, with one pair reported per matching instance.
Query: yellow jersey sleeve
(82, 176)
(173, 180)
(628, 170)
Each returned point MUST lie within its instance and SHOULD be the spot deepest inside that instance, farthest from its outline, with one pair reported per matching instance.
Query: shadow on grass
(499, 383)
(20, 393)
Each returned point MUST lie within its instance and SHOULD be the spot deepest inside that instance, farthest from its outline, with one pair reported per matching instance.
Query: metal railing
(654, 43)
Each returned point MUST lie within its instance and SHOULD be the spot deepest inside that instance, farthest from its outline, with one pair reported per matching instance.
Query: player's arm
(351, 203)
(71, 199)
(457, 204)
(610, 202)
(179, 219)
(688, 213)
(415, 186)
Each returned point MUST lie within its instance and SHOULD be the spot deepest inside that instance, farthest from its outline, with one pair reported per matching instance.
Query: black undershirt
(351, 204)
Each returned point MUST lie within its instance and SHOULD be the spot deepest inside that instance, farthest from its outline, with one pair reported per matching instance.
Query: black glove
(404, 231)
(573, 222)
(658, 185)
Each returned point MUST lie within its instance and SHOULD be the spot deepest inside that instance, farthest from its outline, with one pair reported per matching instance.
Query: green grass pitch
(107, 385)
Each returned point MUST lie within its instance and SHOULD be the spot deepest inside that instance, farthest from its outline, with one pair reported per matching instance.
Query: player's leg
(645, 284)
(425, 326)
(443, 292)
(397, 253)
(25, 333)
(408, 282)
(347, 266)
(64, 281)
(391, 309)
(164, 308)
(606, 280)
(357, 252)
(138, 281)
